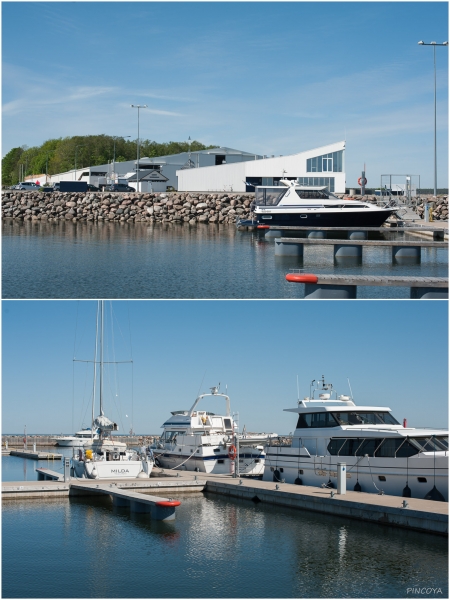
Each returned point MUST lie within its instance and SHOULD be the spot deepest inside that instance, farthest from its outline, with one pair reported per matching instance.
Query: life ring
(362, 181)
(301, 278)
(232, 452)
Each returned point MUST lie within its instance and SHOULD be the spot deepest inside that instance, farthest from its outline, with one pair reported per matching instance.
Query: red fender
(168, 503)
(301, 278)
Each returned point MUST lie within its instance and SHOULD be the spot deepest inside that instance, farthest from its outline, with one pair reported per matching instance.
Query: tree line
(64, 154)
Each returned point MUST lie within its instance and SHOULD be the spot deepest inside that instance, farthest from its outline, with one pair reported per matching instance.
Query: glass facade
(319, 181)
(327, 162)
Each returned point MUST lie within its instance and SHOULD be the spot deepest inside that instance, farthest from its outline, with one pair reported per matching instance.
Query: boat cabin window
(379, 447)
(319, 419)
(365, 418)
(312, 194)
(168, 436)
(227, 424)
(265, 196)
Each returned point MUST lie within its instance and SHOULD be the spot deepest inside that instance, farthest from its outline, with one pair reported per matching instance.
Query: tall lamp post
(138, 106)
(434, 44)
(76, 150)
(114, 156)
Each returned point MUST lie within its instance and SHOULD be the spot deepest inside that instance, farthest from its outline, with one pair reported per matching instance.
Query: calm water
(110, 260)
(216, 548)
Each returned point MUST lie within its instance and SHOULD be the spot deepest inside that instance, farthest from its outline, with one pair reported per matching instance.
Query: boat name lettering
(119, 471)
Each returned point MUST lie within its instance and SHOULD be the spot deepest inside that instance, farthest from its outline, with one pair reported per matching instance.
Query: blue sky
(264, 77)
(393, 352)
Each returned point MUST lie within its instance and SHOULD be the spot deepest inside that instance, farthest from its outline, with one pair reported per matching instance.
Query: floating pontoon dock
(411, 513)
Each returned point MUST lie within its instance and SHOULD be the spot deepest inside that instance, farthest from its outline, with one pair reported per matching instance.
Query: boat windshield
(333, 419)
(265, 196)
(169, 436)
(365, 418)
(313, 194)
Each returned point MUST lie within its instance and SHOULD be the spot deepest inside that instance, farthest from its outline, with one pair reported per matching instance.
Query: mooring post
(410, 252)
(288, 248)
(428, 293)
(346, 250)
(330, 292)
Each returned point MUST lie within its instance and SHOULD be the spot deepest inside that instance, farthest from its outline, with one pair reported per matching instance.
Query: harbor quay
(47, 441)
(151, 207)
(412, 513)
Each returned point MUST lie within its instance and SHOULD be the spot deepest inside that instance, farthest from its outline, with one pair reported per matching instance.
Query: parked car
(119, 187)
(27, 185)
(92, 188)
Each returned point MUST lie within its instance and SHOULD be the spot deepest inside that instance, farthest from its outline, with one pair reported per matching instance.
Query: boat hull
(121, 469)
(249, 463)
(73, 443)
(373, 475)
(363, 218)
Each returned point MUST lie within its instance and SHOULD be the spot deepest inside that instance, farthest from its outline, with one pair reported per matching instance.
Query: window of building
(326, 162)
(319, 181)
(220, 158)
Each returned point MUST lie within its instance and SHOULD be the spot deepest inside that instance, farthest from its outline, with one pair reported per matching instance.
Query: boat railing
(281, 440)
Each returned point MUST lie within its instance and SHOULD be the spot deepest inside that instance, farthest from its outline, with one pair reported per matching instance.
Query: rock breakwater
(133, 207)
(189, 207)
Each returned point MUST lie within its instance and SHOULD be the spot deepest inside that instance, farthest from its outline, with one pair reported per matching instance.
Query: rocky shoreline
(189, 207)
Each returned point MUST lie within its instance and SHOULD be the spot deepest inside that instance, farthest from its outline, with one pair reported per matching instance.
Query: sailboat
(108, 458)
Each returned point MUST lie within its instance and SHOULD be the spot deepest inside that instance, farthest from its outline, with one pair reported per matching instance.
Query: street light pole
(138, 106)
(434, 44)
(114, 157)
(76, 150)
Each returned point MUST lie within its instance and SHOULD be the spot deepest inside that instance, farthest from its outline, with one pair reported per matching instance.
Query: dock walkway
(411, 513)
(36, 455)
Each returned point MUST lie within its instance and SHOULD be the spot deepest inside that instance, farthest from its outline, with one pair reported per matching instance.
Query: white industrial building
(155, 174)
(321, 166)
(219, 169)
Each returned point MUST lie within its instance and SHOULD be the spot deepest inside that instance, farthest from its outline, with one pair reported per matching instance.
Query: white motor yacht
(108, 458)
(84, 437)
(299, 205)
(198, 440)
(381, 455)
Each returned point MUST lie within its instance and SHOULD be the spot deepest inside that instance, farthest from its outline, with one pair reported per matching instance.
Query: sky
(395, 354)
(271, 78)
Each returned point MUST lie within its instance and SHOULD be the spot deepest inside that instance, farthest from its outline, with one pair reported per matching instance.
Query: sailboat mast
(95, 372)
(101, 356)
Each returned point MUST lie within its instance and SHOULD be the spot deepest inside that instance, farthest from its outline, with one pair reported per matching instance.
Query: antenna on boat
(351, 393)
(311, 385)
(298, 393)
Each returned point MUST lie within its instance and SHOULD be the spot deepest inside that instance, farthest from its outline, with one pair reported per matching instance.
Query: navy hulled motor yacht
(299, 205)
(381, 455)
(199, 440)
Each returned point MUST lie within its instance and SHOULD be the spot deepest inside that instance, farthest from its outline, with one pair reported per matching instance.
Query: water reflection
(216, 548)
(173, 260)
